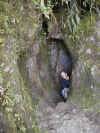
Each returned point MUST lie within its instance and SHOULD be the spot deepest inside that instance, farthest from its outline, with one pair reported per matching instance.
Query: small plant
(3, 100)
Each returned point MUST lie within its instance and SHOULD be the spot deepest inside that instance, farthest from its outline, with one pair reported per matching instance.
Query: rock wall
(18, 28)
(86, 72)
(30, 66)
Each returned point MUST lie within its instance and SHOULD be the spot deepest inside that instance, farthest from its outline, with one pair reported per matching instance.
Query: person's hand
(67, 77)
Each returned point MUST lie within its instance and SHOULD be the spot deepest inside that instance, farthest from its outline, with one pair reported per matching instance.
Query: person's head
(63, 75)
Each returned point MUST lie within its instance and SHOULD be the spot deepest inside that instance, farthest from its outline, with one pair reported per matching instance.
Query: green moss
(13, 28)
(85, 25)
(2, 42)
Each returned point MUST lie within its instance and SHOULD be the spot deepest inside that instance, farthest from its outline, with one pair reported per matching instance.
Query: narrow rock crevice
(40, 67)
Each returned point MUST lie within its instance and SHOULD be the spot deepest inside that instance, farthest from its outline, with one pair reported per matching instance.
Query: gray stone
(66, 119)
(3, 126)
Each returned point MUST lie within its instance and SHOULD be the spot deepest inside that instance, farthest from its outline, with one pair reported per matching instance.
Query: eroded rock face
(86, 75)
(43, 66)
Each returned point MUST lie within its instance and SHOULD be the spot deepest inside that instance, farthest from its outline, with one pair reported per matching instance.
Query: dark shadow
(61, 44)
(70, 62)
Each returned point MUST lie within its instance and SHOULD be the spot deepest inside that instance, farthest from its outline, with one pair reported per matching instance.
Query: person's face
(63, 75)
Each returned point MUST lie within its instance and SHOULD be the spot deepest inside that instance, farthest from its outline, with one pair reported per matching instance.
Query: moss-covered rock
(19, 27)
(86, 73)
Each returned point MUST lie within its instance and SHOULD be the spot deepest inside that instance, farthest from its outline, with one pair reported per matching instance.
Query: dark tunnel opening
(66, 61)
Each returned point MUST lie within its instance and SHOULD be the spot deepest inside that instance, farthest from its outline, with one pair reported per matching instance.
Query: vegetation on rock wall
(18, 28)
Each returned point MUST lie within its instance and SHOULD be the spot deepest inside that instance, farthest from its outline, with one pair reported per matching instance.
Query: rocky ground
(64, 118)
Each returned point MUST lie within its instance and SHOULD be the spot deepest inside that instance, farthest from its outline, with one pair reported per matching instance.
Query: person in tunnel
(65, 84)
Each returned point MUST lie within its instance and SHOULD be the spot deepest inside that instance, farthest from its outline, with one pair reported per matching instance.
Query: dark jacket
(65, 83)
